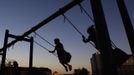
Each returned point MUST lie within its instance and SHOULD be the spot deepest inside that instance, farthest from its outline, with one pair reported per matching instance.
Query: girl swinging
(63, 56)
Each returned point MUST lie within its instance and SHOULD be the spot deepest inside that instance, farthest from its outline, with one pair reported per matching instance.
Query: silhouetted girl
(64, 57)
(92, 36)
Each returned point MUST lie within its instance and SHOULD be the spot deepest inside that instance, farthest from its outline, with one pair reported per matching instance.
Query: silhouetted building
(96, 64)
(25, 71)
(127, 68)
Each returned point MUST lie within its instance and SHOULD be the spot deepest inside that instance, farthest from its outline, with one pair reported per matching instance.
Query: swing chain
(42, 46)
(84, 10)
(43, 39)
(65, 17)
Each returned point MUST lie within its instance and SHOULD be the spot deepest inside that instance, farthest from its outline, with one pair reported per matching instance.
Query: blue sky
(20, 15)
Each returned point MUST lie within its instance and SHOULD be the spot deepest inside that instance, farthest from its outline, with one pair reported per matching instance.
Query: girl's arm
(53, 51)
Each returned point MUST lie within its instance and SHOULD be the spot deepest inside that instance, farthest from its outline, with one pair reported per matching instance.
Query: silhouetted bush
(82, 71)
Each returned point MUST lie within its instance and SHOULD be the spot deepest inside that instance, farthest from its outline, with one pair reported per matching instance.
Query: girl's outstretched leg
(70, 67)
(65, 67)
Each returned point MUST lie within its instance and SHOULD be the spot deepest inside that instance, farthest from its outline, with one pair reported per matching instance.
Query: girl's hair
(89, 30)
(57, 40)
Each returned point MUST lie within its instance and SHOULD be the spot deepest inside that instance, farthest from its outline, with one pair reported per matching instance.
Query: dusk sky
(20, 15)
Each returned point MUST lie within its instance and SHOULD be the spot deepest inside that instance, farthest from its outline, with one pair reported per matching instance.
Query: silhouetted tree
(82, 71)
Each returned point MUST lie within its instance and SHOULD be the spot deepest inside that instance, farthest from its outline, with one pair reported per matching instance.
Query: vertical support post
(31, 55)
(108, 67)
(4, 53)
(127, 23)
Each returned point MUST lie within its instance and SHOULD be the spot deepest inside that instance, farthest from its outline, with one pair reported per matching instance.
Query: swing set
(33, 29)
(25, 37)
